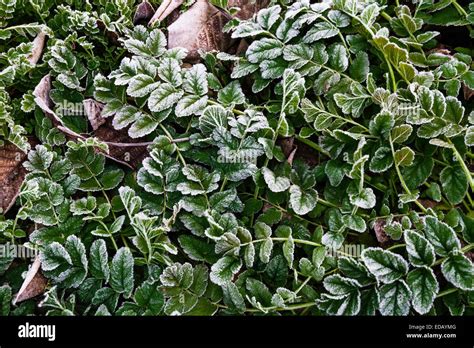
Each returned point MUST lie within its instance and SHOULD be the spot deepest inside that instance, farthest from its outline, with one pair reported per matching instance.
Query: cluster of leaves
(344, 124)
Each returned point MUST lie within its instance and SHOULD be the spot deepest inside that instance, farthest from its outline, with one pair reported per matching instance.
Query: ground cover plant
(277, 158)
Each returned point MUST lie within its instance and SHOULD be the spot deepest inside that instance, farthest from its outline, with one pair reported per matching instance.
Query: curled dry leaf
(38, 46)
(165, 9)
(93, 110)
(122, 149)
(143, 13)
(247, 7)
(12, 174)
(34, 283)
(200, 28)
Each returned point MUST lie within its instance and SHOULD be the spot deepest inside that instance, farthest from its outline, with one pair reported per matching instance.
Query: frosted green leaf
(395, 299)
(382, 160)
(420, 251)
(338, 285)
(321, 30)
(121, 272)
(164, 97)
(441, 236)
(275, 183)
(370, 14)
(365, 199)
(224, 270)
(263, 49)
(231, 94)
(195, 80)
(302, 201)
(454, 183)
(268, 16)
(385, 265)
(99, 266)
(191, 104)
(141, 85)
(340, 304)
(424, 287)
(459, 271)
(404, 156)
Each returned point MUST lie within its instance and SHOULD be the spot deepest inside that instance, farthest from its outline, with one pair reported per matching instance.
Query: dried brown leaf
(144, 13)
(200, 28)
(34, 283)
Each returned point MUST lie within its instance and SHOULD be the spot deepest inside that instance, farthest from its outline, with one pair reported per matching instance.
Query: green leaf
(385, 265)
(302, 202)
(404, 156)
(121, 272)
(224, 270)
(268, 16)
(164, 97)
(99, 266)
(454, 183)
(5, 300)
(275, 183)
(231, 94)
(382, 160)
(424, 287)
(263, 49)
(441, 236)
(232, 297)
(395, 299)
(149, 298)
(459, 271)
(420, 251)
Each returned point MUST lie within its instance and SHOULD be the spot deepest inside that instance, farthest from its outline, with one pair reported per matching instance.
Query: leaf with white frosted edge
(289, 251)
(224, 270)
(231, 94)
(395, 299)
(99, 263)
(382, 160)
(338, 57)
(340, 304)
(369, 299)
(264, 49)
(170, 72)
(125, 116)
(249, 255)
(459, 271)
(213, 116)
(365, 199)
(142, 126)
(354, 269)
(266, 248)
(469, 136)
(454, 182)
(268, 16)
(355, 223)
(195, 80)
(335, 172)
(233, 298)
(121, 272)
(164, 97)
(338, 285)
(404, 156)
(420, 251)
(53, 256)
(275, 184)
(141, 85)
(441, 236)
(385, 265)
(247, 28)
(190, 104)
(370, 14)
(424, 287)
(302, 202)
(321, 30)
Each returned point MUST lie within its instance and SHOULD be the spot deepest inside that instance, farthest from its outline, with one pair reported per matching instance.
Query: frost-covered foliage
(344, 123)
